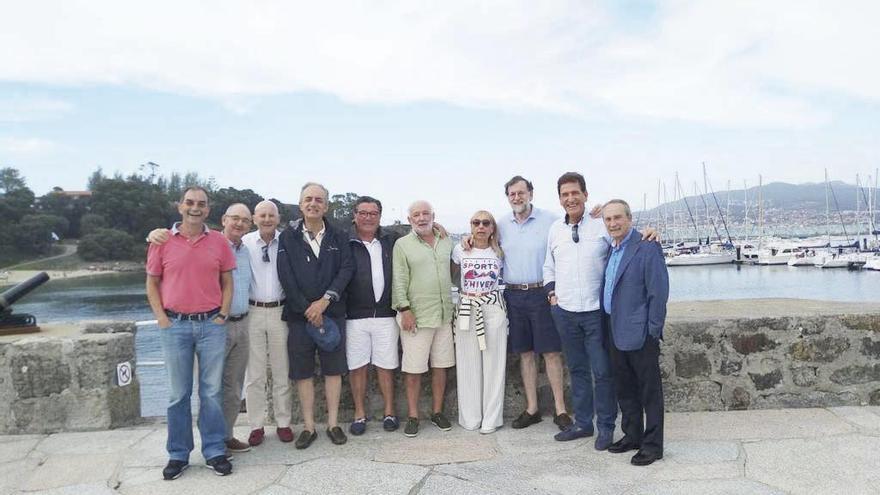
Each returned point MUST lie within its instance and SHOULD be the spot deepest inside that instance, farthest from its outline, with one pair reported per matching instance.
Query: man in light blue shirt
(523, 236)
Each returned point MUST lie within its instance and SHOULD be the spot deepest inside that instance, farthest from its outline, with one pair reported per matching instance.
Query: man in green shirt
(421, 294)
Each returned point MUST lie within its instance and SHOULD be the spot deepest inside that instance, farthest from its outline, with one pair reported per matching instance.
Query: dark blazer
(307, 278)
(641, 289)
(361, 302)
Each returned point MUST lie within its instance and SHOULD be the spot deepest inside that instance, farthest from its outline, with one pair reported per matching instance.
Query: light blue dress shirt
(525, 246)
(611, 270)
(241, 280)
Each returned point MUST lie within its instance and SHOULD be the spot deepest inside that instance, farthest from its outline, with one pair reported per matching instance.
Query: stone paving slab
(64, 470)
(336, 475)
(755, 425)
(845, 464)
(765, 452)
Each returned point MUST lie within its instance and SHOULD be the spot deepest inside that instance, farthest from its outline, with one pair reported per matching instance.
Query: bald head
(266, 217)
(236, 222)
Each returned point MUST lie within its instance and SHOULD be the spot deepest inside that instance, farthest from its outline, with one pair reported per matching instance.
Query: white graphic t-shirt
(480, 269)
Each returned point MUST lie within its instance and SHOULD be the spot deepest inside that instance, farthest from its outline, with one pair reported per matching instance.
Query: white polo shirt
(577, 268)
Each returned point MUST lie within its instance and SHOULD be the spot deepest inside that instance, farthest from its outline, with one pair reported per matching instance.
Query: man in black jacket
(371, 330)
(314, 267)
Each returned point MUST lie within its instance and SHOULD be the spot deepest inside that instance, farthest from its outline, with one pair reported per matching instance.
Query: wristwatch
(222, 316)
(328, 296)
(401, 309)
(550, 295)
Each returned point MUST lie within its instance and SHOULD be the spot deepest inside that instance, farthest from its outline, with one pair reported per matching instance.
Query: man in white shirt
(577, 248)
(266, 331)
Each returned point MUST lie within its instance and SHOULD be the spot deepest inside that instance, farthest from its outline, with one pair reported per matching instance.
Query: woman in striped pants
(480, 328)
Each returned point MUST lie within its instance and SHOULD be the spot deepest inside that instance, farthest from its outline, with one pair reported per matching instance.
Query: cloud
(28, 109)
(26, 146)
(745, 63)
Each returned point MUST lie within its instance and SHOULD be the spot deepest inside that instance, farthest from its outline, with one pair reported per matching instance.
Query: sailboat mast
(827, 210)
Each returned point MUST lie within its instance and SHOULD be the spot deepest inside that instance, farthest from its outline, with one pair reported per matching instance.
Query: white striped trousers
(480, 375)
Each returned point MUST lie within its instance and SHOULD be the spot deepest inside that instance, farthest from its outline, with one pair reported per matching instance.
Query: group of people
(586, 286)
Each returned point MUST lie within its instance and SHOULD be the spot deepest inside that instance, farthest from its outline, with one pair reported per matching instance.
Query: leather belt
(536, 285)
(207, 315)
(237, 318)
(273, 304)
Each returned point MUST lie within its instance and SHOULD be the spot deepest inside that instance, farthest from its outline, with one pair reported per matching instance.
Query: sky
(442, 101)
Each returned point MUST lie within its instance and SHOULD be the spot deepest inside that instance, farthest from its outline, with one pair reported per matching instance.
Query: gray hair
(310, 184)
(416, 203)
(626, 208)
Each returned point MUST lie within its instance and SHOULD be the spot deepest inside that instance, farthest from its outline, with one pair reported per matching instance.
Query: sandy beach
(12, 277)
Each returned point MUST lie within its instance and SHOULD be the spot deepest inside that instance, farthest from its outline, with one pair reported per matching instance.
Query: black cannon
(10, 322)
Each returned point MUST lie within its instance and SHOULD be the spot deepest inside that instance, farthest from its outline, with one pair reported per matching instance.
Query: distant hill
(778, 196)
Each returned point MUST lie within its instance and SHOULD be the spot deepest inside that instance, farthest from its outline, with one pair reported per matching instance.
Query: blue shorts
(531, 325)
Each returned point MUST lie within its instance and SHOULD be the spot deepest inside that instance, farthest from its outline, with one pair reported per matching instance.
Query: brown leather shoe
(236, 445)
(337, 436)
(285, 434)
(563, 421)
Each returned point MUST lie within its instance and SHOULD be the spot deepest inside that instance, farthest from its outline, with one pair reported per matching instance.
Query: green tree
(90, 222)
(34, 233)
(16, 203)
(10, 180)
(58, 224)
(71, 208)
(95, 179)
(133, 205)
(222, 198)
(107, 245)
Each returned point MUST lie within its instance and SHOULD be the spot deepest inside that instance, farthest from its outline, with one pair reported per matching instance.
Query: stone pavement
(833, 450)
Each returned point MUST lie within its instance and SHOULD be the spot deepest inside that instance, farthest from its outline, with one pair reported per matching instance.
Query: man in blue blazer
(634, 298)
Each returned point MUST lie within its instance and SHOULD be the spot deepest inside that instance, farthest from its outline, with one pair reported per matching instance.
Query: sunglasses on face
(476, 222)
(266, 254)
(574, 233)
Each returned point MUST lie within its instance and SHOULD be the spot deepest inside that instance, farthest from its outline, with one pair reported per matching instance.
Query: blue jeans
(181, 342)
(584, 344)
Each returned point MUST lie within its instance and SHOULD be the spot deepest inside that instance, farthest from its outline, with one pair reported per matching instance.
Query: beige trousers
(268, 346)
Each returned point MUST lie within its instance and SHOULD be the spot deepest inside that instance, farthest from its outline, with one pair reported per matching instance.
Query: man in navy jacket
(314, 267)
(634, 297)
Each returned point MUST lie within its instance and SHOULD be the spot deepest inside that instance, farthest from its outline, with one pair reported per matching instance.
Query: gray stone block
(751, 343)
(804, 376)
(871, 348)
(764, 381)
(854, 375)
(693, 396)
(692, 364)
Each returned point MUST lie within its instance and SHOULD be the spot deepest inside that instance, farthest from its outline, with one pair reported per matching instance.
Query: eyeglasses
(266, 254)
(236, 218)
(476, 222)
(574, 233)
(367, 214)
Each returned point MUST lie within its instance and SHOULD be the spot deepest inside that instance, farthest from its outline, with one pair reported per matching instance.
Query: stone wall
(771, 354)
(723, 355)
(64, 379)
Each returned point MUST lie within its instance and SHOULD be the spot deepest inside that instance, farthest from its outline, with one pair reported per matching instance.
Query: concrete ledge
(64, 379)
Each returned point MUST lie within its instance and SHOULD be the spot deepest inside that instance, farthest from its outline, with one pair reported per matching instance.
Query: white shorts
(372, 340)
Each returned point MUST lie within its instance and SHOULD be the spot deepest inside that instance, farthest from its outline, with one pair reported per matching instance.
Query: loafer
(220, 465)
(563, 421)
(358, 426)
(174, 469)
(603, 440)
(572, 433)
(236, 445)
(337, 436)
(390, 423)
(256, 437)
(643, 458)
(285, 434)
(412, 427)
(525, 419)
(441, 421)
(487, 431)
(623, 445)
(305, 439)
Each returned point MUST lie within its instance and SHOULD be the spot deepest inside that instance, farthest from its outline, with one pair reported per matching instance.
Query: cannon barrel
(10, 296)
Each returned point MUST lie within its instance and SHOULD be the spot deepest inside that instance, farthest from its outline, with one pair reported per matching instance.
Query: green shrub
(107, 245)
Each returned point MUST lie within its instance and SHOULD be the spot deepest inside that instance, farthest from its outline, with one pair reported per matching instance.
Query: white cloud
(28, 108)
(744, 63)
(25, 146)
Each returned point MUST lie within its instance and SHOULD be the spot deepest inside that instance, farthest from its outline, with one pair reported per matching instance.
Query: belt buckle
(523, 286)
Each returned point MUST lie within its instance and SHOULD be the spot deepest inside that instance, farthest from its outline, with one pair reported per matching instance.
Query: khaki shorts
(427, 343)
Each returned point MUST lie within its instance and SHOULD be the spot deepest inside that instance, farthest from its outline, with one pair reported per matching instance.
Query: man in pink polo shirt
(189, 287)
